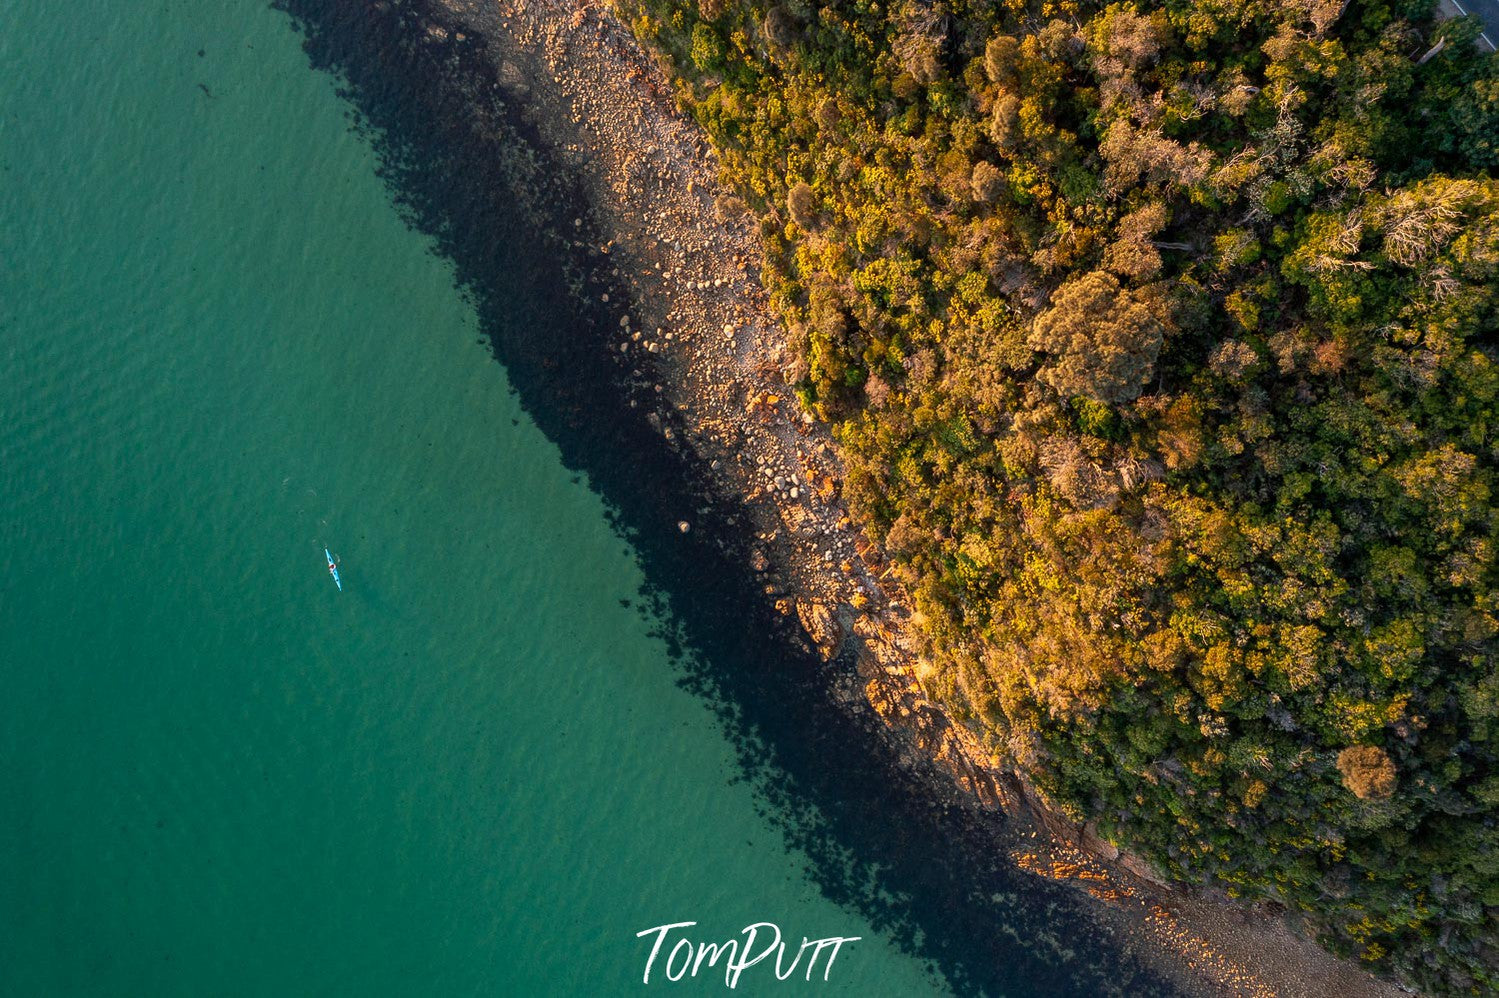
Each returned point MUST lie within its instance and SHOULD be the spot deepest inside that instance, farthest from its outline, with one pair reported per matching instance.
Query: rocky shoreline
(691, 328)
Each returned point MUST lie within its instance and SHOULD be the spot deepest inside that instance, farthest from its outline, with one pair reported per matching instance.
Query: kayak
(333, 570)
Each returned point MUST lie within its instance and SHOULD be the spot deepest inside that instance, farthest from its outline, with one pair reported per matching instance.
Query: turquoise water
(222, 350)
(478, 769)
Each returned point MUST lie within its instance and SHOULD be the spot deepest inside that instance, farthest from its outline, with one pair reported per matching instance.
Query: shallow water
(478, 769)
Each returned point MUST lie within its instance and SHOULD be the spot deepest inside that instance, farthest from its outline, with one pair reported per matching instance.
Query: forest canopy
(1160, 343)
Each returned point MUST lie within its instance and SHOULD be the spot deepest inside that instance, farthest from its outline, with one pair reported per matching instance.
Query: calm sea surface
(474, 770)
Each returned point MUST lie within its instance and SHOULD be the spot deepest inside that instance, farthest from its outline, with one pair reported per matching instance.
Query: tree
(988, 182)
(780, 31)
(1133, 39)
(1420, 221)
(1004, 121)
(1133, 153)
(1133, 254)
(1102, 341)
(801, 203)
(1367, 772)
(1001, 57)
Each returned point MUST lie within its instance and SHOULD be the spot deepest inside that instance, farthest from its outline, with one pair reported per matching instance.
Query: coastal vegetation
(1160, 343)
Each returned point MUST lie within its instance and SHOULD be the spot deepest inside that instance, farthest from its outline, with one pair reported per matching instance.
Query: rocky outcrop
(822, 626)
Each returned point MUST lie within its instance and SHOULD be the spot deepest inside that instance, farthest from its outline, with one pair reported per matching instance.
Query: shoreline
(704, 358)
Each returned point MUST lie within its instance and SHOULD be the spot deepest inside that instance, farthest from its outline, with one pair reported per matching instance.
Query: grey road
(1485, 10)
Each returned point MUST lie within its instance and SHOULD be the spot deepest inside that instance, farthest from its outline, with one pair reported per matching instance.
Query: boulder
(822, 627)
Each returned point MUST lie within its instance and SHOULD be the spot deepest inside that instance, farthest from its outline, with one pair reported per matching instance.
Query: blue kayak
(333, 570)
